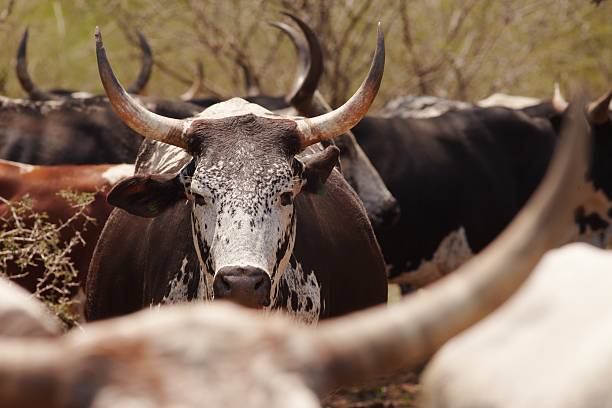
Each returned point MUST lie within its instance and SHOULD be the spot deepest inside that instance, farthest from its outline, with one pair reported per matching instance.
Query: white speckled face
(243, 213)
(243, 187)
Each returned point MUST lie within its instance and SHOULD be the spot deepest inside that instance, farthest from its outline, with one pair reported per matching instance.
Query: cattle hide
(22, 316)
(549, 346)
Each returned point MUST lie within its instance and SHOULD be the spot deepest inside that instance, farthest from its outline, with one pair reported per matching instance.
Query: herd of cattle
(285, 204)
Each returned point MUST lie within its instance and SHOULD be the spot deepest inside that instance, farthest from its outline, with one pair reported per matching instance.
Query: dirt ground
(399, 391)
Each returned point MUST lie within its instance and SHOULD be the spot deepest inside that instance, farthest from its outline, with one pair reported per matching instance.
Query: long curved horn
(386, 339)
(559, 103)
(342, 119)
(133, 114)
(599, 111)
(24, 76)
(310, 61)
(145, 70)
(196, 86)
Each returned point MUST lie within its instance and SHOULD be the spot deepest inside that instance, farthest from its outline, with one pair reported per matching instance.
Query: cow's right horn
(383, 340)
(133, 114)
(24, 76)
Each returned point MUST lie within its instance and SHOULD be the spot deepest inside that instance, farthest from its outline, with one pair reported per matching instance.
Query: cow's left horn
(145, 70)
(133, 114)
(310, 62)
(342, 119)
(599, 110)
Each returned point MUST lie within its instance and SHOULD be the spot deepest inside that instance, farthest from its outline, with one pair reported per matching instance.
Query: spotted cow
(250, 208)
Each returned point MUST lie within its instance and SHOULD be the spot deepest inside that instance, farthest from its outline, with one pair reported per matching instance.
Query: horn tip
(98, 37)
(24, 40)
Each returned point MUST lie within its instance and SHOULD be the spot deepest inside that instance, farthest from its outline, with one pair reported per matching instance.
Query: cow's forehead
(237, 107)
(243, 131)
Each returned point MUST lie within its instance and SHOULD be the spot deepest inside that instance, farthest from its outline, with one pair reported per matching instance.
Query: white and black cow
(253, 215)
(461, 177)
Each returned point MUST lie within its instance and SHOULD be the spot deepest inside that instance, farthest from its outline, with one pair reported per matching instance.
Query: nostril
(259, 283)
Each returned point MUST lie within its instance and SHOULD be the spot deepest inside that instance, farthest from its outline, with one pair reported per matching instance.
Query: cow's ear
(147, 195)
(317, 168)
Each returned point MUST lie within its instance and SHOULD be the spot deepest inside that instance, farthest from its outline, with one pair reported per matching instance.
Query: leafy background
(462, 49)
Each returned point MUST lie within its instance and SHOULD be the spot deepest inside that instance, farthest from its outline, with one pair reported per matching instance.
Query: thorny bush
(29, 239)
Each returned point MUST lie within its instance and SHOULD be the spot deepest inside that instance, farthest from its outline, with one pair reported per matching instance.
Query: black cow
(462, 176)
(382, 207)
(67, 127)
(35, 93)
(229, 219)
(72, 131)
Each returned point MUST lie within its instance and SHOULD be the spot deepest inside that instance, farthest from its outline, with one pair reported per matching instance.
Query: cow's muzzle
(246, 285)
(387, 216)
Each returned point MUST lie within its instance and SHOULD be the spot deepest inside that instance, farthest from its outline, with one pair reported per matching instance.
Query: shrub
(31, 240)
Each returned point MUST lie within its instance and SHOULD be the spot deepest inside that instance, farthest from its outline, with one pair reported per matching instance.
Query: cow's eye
(198, 199)
(286, 198)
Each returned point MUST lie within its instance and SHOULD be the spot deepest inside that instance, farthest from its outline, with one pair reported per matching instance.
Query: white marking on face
(238, 216)
(117, 173)
(453, 251)
(241, 220)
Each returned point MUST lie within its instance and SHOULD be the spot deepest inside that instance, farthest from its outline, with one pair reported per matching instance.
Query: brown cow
(42, 183)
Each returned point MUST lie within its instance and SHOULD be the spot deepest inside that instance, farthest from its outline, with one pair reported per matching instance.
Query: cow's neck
(299, 293)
